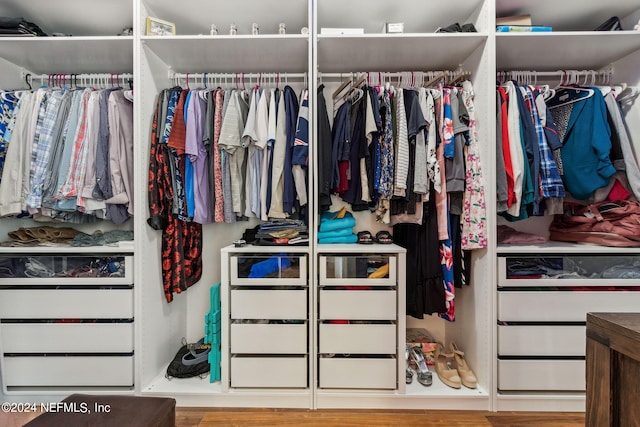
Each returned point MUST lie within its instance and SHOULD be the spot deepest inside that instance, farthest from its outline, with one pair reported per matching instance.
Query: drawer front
(71, 371)
(357, 373)
(562, 306)
(545, 340)
(269, 372)
(66, 304)
(353, 271)
(541, 375)
(357, 339)
(268, 270)
(358, 305)
(269, 304)
(68, 270)
(567, 270)
(268, 339)
(67, 337)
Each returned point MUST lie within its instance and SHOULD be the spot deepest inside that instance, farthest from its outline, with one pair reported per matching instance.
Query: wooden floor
(206, 417)
(241, 417)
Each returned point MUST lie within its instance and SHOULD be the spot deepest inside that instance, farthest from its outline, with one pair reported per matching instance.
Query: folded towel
(335, 224)
(336, 233)
(339, 239)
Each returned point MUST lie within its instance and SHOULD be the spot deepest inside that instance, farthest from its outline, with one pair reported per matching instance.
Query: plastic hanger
(566, 95)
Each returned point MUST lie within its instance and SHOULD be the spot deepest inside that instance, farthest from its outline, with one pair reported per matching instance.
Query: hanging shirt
(300, 153)
(401, 148)
(292, 111)
(254, 159)
(197, 156)
(276, 207)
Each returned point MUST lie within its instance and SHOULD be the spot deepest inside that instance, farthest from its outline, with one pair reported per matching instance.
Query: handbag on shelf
(611, 24)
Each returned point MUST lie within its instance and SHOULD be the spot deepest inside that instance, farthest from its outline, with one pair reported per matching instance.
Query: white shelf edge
(404, 36)
(562, 248)
(67, 249)
(221, 38)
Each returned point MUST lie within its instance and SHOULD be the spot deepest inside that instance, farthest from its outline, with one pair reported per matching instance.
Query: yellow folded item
(380, 273)
(341, 213)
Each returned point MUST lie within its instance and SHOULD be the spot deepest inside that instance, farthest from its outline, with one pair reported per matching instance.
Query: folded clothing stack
(334, 229)
(12, 27)
(279, 232)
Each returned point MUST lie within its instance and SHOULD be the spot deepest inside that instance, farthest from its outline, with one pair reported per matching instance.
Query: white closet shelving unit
(419, 48)
(91, 45)
(549, 375)
(193, 50)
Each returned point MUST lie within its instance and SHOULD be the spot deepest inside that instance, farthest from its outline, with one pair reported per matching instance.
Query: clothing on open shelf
(67, 154)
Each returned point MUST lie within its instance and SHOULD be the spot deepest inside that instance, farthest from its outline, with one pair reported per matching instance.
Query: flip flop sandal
(365, 237)
(384, 237)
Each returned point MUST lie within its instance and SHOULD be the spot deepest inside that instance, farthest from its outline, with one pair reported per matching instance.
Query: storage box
(420, 337)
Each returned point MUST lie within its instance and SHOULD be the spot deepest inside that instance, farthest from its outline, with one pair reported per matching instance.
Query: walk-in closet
(327, 327)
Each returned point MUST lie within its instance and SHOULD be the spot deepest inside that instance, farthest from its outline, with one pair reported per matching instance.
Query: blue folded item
(329, 224)
(339, 239)
(336, 233)
(268, 266)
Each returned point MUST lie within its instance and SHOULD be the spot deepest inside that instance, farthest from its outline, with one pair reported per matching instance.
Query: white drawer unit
(275, 269)
(358, 304)
(66, 321)
(357, 373)
(543, 301)
(361, 317)
(541, 340)
(541, 375)
(68, 371)
(358, 338)
(67, 337)
(265, 304)
(562, 306)
(279, 304)
(252, 338)
(269, 372)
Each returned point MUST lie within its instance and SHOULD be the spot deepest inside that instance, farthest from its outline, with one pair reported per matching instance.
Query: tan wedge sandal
(445, 373)
(465, 373)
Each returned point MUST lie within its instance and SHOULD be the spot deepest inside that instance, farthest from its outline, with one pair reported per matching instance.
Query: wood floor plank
(333, 418)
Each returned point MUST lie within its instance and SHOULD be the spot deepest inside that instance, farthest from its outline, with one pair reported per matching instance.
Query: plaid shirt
(42, 151)
(78, 154)
(550, 181)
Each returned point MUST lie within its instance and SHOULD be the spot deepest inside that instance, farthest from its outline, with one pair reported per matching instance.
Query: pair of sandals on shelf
(452, 368)
(382, 237)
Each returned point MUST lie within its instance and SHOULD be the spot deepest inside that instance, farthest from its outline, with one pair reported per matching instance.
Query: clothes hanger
(566, 95)
(336, 94)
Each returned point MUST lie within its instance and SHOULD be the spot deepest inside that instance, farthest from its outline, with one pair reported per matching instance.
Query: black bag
(611, 24)
(192, 360)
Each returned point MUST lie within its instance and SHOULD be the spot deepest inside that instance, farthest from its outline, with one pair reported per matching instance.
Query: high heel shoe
(467, 376)
(408, 370)
(445, 373)
(425, 377)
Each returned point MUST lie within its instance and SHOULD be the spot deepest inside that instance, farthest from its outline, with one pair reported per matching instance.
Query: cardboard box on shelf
(514, 20)
(420, 337)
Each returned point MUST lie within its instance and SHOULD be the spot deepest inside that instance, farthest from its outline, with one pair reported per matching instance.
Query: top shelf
(569, 15)
(81, 18)
(563, 50)
(417, 16)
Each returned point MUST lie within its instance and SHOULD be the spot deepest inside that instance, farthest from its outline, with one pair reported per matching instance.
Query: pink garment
(510, 236)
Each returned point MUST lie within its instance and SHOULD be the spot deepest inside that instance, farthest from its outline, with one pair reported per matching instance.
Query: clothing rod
(81, 76)
(252, 76)
(387, 73)
(558, 73)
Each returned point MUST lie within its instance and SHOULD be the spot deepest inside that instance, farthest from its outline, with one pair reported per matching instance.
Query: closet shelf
(385, 52)
(122, 248)
(567, 14)
(563, 248)
(67, 55)
(563, 50)
(274, 53)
